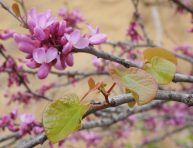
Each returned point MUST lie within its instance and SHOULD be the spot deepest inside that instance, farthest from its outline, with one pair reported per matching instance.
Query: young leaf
(162, 70)
(159, 52)
(16, 10)
(91, 83)
(140, 83)
(63, 117)
(131, 103)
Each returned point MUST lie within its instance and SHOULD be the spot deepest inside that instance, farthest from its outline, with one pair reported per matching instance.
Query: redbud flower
(96, 37)
(6, 34)
(76, 40)
(51, 41)
(72, 18)
(185, 49)
(133, 33)
(98, 63)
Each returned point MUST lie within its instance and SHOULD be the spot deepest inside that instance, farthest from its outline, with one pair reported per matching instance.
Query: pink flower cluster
(185, 49)
(98, 64)
(176, 113)
(45, 88)
(50, 42)
(133, 33)
(72, 18)
(90, 138)
(28, 124)
(7, 121)
(10, 66)
(27, 97)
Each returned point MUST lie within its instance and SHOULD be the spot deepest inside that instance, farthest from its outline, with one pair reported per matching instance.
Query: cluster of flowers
(175, 117)
(27, 97)
(185, 49)
(27, 125)
(98, 63)
(72, 18)
(133, 33)
(51, 41)
(90, 138)
(10, 66)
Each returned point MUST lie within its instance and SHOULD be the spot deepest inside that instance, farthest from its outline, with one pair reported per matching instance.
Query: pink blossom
(51, 41)
(27, 118)
(44, 88)
(185, 49)
(6, 34)
(91, 138)
(10, 66)
(8, 121)
(98, 63)
(96, 37)
(26, 43)
(133, 33)
(150, 123)
(76, 40)
(38, 130)
(72, 18)
(39, 23)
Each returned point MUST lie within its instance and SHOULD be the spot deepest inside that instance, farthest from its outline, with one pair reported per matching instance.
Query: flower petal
(82, 43)
(98, 39)
(32, 64)
(60, 64)
(51, 54)
(67, 48)
(92, 30)
(69, 59)
(43, 71)
(74, 36)
(39, 55)
(39, 33)
(26, 47)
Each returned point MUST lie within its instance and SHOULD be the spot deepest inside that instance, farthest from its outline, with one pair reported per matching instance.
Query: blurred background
(113, 18)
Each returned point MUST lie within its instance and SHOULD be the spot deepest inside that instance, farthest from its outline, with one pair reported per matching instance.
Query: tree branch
(106, 56)
(161, 97)
(165, 135)
(181, 4)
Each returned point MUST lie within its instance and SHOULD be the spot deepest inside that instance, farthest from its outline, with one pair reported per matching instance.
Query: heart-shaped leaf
(140, 83)
(159, 52)
(162, 70)
(63, 117)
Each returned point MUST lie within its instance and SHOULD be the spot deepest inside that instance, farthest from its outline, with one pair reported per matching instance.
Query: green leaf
(140, 83)
(63, 117)
(162, 69)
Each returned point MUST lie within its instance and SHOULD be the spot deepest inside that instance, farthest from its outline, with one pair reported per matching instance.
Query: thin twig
(181, 4)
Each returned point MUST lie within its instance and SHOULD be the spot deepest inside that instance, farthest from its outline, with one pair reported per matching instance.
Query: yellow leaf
(159, 52)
